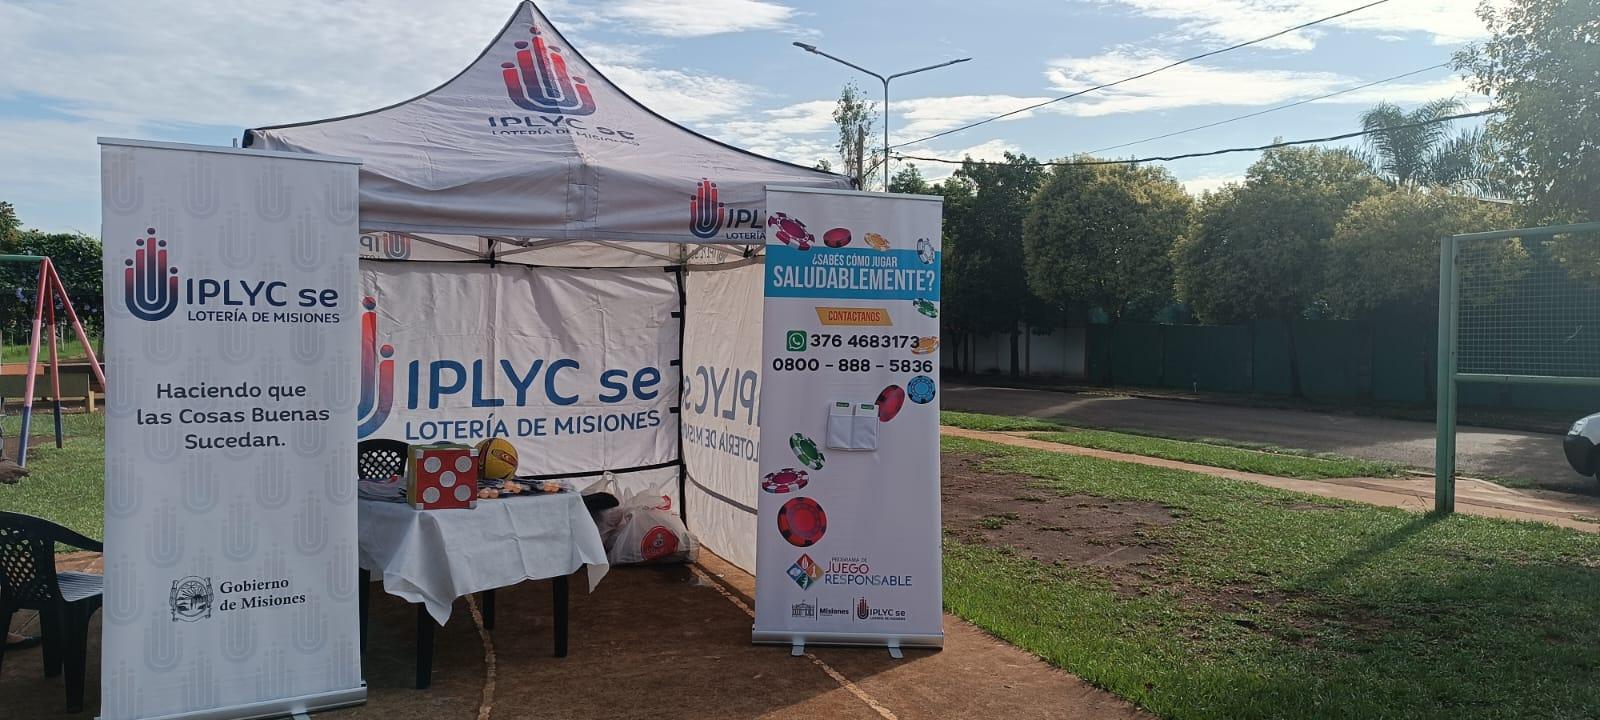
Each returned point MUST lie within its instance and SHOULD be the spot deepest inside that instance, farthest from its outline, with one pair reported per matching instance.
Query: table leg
(561, 615)
(364, 578)
(487, 598)
(424, 647)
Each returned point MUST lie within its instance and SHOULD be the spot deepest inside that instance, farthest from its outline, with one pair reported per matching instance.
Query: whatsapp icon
(795, 341)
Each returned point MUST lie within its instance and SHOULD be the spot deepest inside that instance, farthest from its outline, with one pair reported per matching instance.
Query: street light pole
(885, 80)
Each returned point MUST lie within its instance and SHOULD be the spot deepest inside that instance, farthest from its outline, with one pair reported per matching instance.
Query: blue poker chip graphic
(921, 389)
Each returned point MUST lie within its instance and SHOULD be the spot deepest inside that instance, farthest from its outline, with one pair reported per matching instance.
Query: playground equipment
(50, 289)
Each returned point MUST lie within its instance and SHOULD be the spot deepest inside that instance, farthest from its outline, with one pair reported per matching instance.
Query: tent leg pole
(683, 468)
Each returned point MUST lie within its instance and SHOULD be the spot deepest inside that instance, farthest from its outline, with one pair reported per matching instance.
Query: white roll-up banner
(231, 340)
(847, 527)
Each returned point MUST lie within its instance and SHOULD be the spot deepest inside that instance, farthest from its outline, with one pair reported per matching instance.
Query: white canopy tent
(521, 215)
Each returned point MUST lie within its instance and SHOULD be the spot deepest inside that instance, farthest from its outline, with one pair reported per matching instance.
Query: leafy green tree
(909, 180)
(855, 115)
(1425, 155)
(985, 286)
(1542, 65)
(77, 260)
(1101, 236)
(10, 226)
(1256, 251)
(1384, 254)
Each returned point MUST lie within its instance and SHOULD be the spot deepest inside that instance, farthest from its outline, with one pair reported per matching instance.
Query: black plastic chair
(65, 601)
(378, 459)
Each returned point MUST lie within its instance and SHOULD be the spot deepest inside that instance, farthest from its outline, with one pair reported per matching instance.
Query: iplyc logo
(539, 80)
(377, 373)
(706, 215)
(149, 284)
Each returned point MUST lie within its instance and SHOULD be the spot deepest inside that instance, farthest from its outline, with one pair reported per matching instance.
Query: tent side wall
(722, 374)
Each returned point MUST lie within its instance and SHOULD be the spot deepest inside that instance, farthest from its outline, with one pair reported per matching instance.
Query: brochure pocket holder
(840, 421)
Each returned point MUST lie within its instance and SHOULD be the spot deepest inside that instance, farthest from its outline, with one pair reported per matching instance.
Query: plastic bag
(643, 529)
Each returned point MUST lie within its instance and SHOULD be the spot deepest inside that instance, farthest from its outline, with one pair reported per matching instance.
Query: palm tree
(1415, 150)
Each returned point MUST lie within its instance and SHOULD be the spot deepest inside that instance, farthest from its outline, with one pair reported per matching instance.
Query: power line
(1225, 151)
(1271, 110)
(1148, 73)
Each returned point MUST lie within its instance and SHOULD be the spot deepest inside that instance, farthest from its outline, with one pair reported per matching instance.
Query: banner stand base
(285, 707)
(797, 642)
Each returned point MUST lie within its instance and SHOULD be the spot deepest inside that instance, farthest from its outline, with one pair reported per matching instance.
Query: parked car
(1580, 445)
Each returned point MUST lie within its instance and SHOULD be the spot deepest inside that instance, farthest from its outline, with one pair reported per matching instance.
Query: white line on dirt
(838, 677)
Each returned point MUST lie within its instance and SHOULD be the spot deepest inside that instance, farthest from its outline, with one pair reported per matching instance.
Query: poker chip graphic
(837, 237)
(784, 481)
(926, 307)
(802, 522)
(925, 345)
(925, 251)
(876, 241)
(791, 231)
(890, 400)
(805, 450)
(920, 389)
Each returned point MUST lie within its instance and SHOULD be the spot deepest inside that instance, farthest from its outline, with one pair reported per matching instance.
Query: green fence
(1390, 360)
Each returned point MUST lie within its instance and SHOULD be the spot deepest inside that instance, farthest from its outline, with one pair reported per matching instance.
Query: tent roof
(531, 141)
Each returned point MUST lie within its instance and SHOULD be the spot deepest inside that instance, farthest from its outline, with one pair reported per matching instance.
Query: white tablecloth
(435, 556)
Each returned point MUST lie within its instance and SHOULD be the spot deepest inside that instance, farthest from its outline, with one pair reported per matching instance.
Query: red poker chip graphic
(783, 481)
(890, 400)
(837, 237)
(802, 522)
(659, 542)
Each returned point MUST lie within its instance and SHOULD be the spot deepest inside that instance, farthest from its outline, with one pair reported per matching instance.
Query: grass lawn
(68, 350)
(66, 486)
(1262, 603)
(1266, 462)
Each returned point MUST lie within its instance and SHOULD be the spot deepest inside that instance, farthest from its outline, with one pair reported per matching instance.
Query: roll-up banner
(232, 339)
(847, 537)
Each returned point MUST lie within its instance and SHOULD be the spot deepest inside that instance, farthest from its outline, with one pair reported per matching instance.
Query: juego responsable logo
(539, 81)
(149, 284)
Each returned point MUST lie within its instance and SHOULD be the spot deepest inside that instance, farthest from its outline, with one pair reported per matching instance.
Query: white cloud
(1183, 86)
(936, 171)
(1208, 183)
(1444, 21)
(678, 95)
(919, 117)
(696, 18)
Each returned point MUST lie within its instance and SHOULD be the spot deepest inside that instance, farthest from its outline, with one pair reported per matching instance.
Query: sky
(201, 71)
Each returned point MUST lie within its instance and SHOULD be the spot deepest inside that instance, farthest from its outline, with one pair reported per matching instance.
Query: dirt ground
(666, 642)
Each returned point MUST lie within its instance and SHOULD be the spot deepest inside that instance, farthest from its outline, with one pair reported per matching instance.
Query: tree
(77, 259)
(854, 114)
(1542, 66)
(1424, 155)
(10, 226)
(1101, 236)
(1384, 254)
(985, 204)
(823, 165)
(909, 180)
(1256, 250)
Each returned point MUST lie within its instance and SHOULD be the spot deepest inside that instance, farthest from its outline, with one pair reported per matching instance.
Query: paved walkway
(1473, 497)
(1480, 452)
(652, 642)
